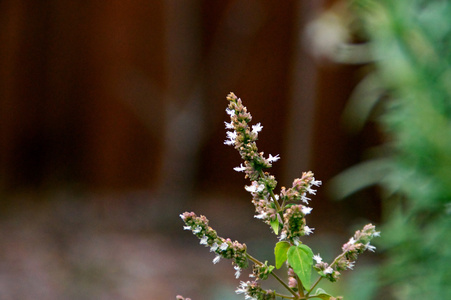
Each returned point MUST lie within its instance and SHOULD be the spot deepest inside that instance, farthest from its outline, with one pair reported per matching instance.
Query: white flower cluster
(224, 248)
(356, 245)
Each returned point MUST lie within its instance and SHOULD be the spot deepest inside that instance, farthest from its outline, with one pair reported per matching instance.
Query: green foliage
(321, 294)
(280, 252)
(275, 226)
(300, 258)
(411, 41)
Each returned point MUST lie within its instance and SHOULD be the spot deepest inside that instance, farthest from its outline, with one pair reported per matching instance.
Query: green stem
(300, 287)
(283, 204)
(313, 286)
(257, 262)
(279, 208)
(284, 296)
(273, 197)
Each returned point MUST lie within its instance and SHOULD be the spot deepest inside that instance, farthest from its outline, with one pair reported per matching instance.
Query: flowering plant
(285, 214)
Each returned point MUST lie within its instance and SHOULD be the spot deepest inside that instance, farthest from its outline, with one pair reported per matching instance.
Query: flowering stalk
(346, 260)
(286, 214)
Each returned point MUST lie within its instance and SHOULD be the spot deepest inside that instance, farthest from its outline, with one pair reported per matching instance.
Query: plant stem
(257, 262)
(313, 286)
(300, 287)
(284, 296)
(273, 197)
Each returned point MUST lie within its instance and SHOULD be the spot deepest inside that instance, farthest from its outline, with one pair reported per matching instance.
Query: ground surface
(78, 248)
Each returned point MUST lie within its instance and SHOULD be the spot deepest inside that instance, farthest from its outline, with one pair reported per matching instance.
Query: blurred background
(112, 124)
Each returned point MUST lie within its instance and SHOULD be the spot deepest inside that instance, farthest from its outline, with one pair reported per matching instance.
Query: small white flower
(317, 258)
(283, 236)
(214, 247)
(203, 240)
(311, 191)
(308, 230)
(216, 259)
(377, 233)
(197, 229)
(305, 199)
(370, 247)
(255, 187)
(328, 270)
(224, 246)
(230, 112)
(350, 265)
(241, 168)
(228, 125)
(316, 182)
(238, 271)
(296, 241)
(261, 215)
(187, 227)
(273, 158)
(242, 288)
(306, 210)
(352, 241)
(257, 128)
(231, 135)
(251, 188)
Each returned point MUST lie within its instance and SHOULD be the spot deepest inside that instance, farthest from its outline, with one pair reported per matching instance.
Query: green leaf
(271, 268)
(320, 293)
(275, 226)
(280, 251)
(300, 259)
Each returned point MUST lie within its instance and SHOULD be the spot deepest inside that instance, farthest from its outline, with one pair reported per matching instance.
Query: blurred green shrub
(411, 43)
